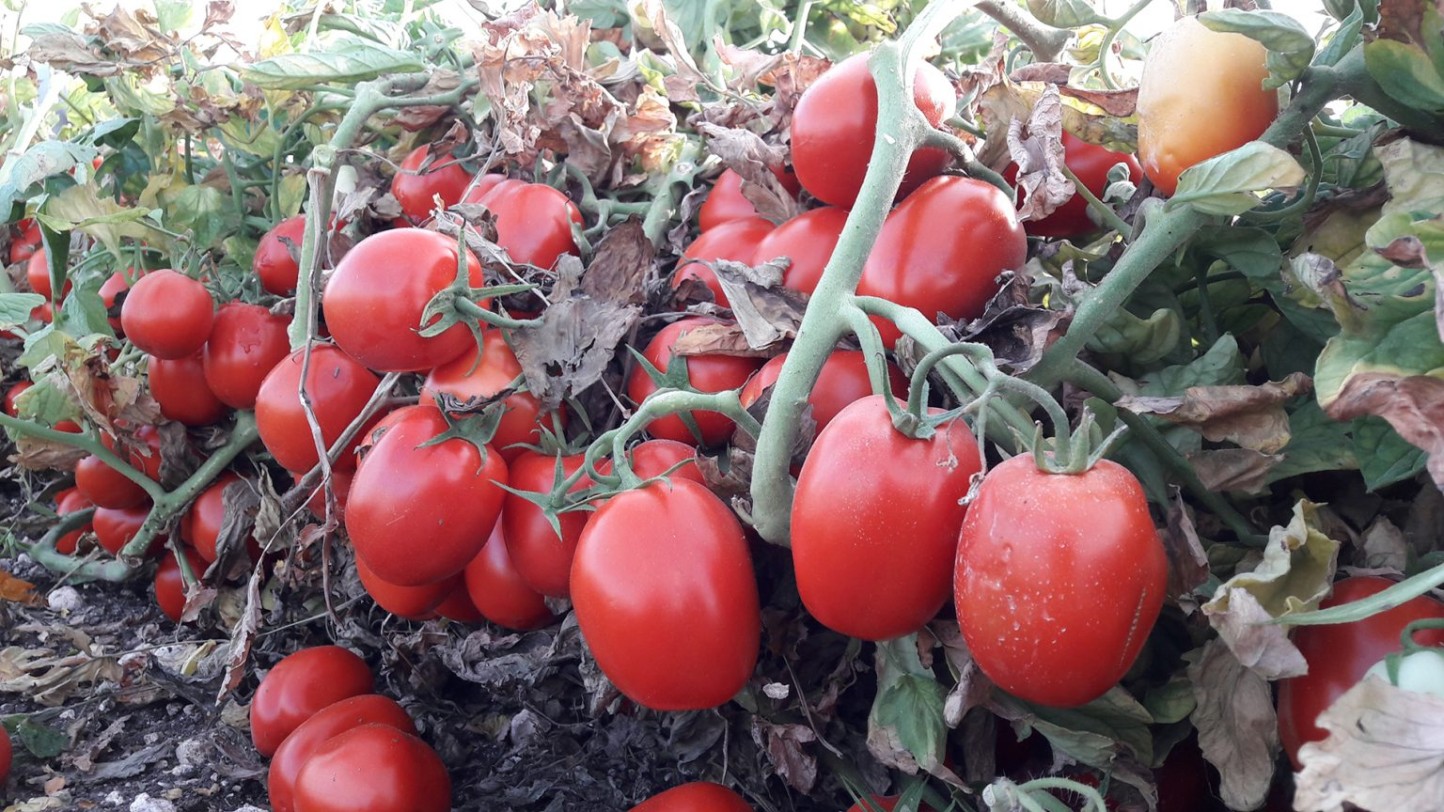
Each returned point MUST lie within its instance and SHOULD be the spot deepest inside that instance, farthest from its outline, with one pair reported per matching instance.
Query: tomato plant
(275, 261)
(299, 686)
(698, 796)
(245, 344)
(498, 591)
(326, 724)
(167, 314)
(422, 178)
(338, 388)
(111, 289)
(541, 556)
(115, 527)
(654, 458)
(705, 373)
(808, 241)
(373, 768)
(734, 240)
(104, 486)
(477, 376)
(180, 389)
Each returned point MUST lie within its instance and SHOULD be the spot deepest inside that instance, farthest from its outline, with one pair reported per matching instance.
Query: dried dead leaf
(1036, 147)
(1236, 470)
(785, 746)
(1187, 561)
(767, 312)
(15, 590)
(1237, 727)
(1014, 329)
(716, 338)
(1259, 644)
(50, 680)
(1413, 405)
(1252, 417)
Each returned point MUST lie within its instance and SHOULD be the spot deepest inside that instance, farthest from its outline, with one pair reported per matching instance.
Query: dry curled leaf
(15, 590)
(1035, 145)
(785, 746)
(1237, 727)
(1252, 417)
(1413, 405)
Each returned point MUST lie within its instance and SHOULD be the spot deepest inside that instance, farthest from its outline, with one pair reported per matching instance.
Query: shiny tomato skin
(942, 249)
(1221, 106)
(275, 263)
(115, 527)
(1339, 655)
(698, 796)
(170, 588)
(329, 722)
(167, 314)
(179, 387)
(410, 602)
(375, 298)
(111, 289)
(414, 187)
(808, 241)
(895, 539)
(835, 125)
(670, 558)
(707, 373)
(12, 394)
(105, 486)
(498, 592)
(338, 387)
(200, 527)
(534, 223)
(373, 768)
(843, 379)
(419, 514)
(1036, 546)
(301, 684)
(483, 185)
(725, 201)
(37, 273)
(735, 240)
(465, 378)
(246, 343)
(541, 557)
(69, 501)
(1090, 163)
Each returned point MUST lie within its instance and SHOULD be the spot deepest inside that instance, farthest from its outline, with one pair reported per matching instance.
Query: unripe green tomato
(1421, 671)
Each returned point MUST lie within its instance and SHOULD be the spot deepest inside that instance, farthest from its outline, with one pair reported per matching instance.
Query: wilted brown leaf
(1187, 561)
(1237, 728)
(50, 680)
(1119, 103)
(1239, 470)
(785, 746)
(767, 312)
(1413, 405)
(1036, 148)
(414, 119)
(1014, 329)
(716, 338)
(1252, 417)
(1258, 644)
(16, 590)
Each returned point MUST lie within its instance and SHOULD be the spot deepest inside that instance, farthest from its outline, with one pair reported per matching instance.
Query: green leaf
(1229, 184)
(41, 740)
(115, 133)
(83, 310)
(173, 15)
(80, 208)
(909, 702)
(1093, 734)
(1384, 457)
(1252, 252)
(356, 61)
(15, 308)
(1345, 38)
(1316, 443)
(1221, 365)
(1406, 73)
(1142, 341)
(1290, 47)
(1172, 701)
(1063, 13)
(43, 160)
(203, 211)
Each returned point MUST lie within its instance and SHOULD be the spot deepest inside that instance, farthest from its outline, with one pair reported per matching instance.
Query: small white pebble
(191, 752)
(65, 599)
(144, 803)
(114, 798)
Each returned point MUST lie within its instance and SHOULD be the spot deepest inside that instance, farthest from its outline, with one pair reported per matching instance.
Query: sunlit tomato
(734, 240)
(200, 527)
(843, 379)
(873, 544)
(170, 588)
(1090, 163)
(106, 486)
(37, 272)
(725, 202)
(275, 262)
(301, 684)
(499, 593)
(180, 388)
(6, 754)
(1220, 105)
(115, 527)
(654, 458)
(410, 602)
(167, 314)
(468, 379)
(808, 241)
(541, 557)
(23, 245)
(533, 222)
(373, 768)
(707, 373)
(835, 125)
(12, 394)
(375, 298)
(1037, 545)
(69, 501)
(668, 558)
(111, 289)
(419, 513)
(698, 796)
(338, 387)
(246, 343)
(419, 182)
(1339, 655)
(329, 722)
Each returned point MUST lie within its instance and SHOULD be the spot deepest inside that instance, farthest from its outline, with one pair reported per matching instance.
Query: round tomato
(498, 592)
(410, 602)
(698, 796)
(725, 202)
(1340, 654)
(329, 722)
(200, 527)
(1037, 546)
(170, 587)
(477, 376)
(808, 241)
(275, 262)
(37, 272)
(338, 387)
(835, 125)
(115, 527)
(942, 249)
(301, 684)
(706, 373)
(12, 394)
(167, 314)
(541, 557)
(69, 501)
(843, 379)
(879, 569)
(734, 240)
(245, 345)
(418, 512)
(483, 186)
(179, 387)
(1090, 163)
(111, 289)
(1221, 105)
(375, 298)
(105, 486)
(373, 768)
(533, 222)
(419, 182)
(664, 594)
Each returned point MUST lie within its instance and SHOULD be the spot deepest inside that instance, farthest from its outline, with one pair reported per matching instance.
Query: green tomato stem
(1045, 41)
(75, 569)
(1109, 216)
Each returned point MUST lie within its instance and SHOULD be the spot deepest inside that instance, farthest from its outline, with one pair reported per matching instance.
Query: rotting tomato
(170, 587)
(734, 240)
(373, 768)
(541, 557)
(180, 389)
(1090, 163)
(533, 222)
(725, 202)
(111, 289)
(167, 314)
(246, 343)
(410, 602)
(200, 527)
(873, 544)
(498, 592)
(329, 722)
(478, 375)
(843, 379)
(698, 796)
(808, 240)
(301, 684)
(419, 181)
(115, 527)
(1036, 546)
(668, 558)
(275, 259)
(338, 387)
(834, 128)
(706, 373)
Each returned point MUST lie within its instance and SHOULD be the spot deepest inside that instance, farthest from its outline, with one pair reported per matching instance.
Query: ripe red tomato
(808, 240)
(180, 388)
(843, 379)
(200, 527)
(457, 605)
(698, 796)
(301, 684)
(1223, 87)
(340, 486)
(416, 186)
(835, 125)
(668, 558)
(375, 298)
(735, 240)
(25, 242)
(12, 394)
(725, 201)
(1340, 654)
(329, 722)
(170, 588)
(419, 513)
(896, 537)
(6, 754)
(167, 314)
(410, 602)
(468, 379)
(498, 592)
(37, 272)
(942, 249)
(246, 343)
(533, 222)
(115, 527)
(111, 289)
(338, 387)
(69, 501)
(105, 486)
(541, 557)
(373, 768)
(483, 186)
(1090, 163)
(707, 373)
(654, 458)
(1036, 546)
(274, 263)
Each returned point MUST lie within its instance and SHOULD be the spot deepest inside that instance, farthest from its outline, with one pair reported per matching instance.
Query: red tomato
(25, 242)
(340, 486)
(170, 588)
(835, 125)
(373, 768)
(707, 373)
(375, 298)
(542, 559)
(698, 796)
(808, 240)
(654, 458)
(419, 513)
(180, 388)
(167, 314)
(1036, 546)
(200, 527)
(457, 605)
(145, 457)
(105, 486)
(482, 187)
(843, 379)
(725, 202)
(6, 754)
(1338, 655)
(886, 532)
(1090, 163)
(941, 250)
(736, 240)
(338, 387)
(329, 722)
(247, 342)
(410, 602)
(301, 684)
(115, 527)
(498, 592)
(12, 394)
(69, 501)
(533, 222)
(37, 272)
(467, 379)
(111, 289)
(664, 594)
(275, 262)
(416, 186)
